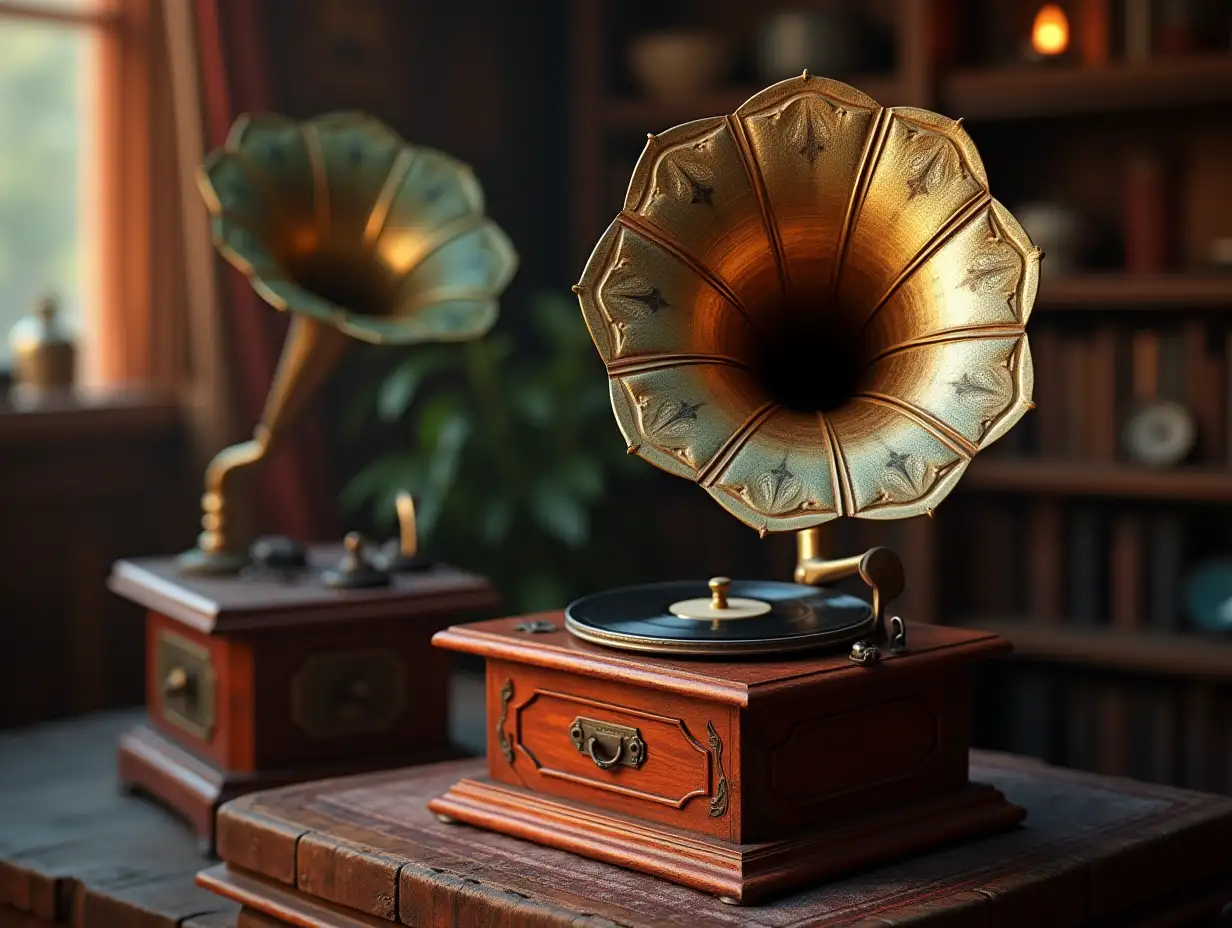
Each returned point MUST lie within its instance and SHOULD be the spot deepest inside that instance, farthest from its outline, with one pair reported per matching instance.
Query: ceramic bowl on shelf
(832, 42)
(678, 65)
(1219, 254)
(1059, 231)
(1208, 595)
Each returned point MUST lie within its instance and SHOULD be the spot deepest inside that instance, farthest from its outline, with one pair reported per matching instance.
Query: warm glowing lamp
(1050, 31)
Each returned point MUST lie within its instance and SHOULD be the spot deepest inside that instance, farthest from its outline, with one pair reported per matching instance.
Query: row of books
(1164, 732)
(1081, 562)
(1090, 379)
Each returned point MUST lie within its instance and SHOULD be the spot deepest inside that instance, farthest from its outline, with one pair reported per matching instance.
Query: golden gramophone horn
(357, 234)
(813, 308)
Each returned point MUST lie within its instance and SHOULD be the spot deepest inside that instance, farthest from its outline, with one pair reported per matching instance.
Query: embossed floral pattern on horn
(813, 218)
(340, 219)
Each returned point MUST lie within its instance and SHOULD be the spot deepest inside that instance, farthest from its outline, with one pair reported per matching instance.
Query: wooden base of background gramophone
(814, 309)
(274, 663)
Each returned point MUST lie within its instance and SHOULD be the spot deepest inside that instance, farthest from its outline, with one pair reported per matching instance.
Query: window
(50, 162)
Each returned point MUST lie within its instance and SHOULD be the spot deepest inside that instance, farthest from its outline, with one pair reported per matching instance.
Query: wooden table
(75, 851)
(365, 852)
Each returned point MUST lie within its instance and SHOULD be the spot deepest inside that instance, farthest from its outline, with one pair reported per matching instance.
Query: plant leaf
(533, 402)
(559, 513)
(539, 592)
(398, 390)
(357, 414)
(442, 470)
(436, 413)
(558, 320)
(496, 520)
(582, 475)
(395, 470)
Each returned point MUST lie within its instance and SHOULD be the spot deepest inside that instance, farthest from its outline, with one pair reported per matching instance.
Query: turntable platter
(647, 618)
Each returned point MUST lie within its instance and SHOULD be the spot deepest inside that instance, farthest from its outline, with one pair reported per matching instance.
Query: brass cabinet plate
(348, 693)
(608, 744)
(186, 684)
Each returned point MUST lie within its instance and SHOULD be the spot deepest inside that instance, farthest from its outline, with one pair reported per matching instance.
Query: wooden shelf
(1123, 292)
(1175, 655)
(87, 415)
(636, 115)
(1079, 478)
(1057, 90)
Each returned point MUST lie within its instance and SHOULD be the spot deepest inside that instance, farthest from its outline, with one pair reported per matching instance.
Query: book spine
(1200, 734)
(1125, 573)
(1047, 561)
(1032, 709)
(1078, 414)
(1137, 30)
(1199, 388)
(1093, 25)
(1166, 544)
(1102, 374)
(1047, 348)
(1085, 563)
(1081, 725)
(1114, 719)
(1146, 219)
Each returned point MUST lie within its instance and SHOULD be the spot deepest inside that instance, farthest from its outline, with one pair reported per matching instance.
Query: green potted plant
(508, 446)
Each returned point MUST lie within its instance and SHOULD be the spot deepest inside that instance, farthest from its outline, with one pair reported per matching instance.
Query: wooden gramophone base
(152, 765)
(739, 874)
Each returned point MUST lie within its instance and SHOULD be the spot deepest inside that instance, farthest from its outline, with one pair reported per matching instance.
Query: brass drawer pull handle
(621, 744)
(593, 742)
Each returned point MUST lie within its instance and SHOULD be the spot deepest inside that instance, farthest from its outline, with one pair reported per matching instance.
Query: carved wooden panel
(675, 769)
(689, 752)
(826, 756)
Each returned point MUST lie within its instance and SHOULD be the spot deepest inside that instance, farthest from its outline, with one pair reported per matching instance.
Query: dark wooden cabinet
(83, 482)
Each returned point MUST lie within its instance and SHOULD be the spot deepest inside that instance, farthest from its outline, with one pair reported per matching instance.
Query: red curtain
(292, 488)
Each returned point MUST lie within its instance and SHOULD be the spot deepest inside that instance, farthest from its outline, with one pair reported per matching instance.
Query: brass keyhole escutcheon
(358, 690)
(185, 683)
(176, 682)
(180, 685)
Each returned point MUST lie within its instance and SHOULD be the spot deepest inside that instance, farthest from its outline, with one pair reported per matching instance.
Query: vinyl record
(639, 618)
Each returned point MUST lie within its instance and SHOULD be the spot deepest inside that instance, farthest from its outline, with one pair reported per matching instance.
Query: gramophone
(813, 309)
(275, 661)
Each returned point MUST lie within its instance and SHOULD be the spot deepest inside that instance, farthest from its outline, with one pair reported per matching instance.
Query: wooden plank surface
(76, 851)
(1093, 850)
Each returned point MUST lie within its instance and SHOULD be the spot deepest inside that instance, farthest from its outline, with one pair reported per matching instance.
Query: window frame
(118, 198)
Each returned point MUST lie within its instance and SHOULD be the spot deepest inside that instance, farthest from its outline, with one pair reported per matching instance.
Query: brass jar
(44, 353)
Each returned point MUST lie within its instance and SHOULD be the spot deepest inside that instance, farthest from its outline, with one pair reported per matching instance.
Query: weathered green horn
(357, 234)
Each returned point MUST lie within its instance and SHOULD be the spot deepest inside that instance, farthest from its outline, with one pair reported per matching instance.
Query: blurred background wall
(1094, 536)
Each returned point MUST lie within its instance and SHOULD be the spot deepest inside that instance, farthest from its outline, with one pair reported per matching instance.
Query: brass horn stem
(879, 567)
(312, 349)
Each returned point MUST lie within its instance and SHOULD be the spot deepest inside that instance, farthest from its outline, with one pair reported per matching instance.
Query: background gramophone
(812, 308)
(279, 663)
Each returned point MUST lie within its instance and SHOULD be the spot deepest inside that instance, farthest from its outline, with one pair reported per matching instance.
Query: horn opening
(813, 308)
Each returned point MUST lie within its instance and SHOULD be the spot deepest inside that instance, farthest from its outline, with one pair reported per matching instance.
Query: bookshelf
(1056, 537)
(1082, 479)
(1123, 293)
(1143, 653)
(1017, 93)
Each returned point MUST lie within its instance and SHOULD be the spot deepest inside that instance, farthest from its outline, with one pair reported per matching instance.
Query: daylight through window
(48, 98)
